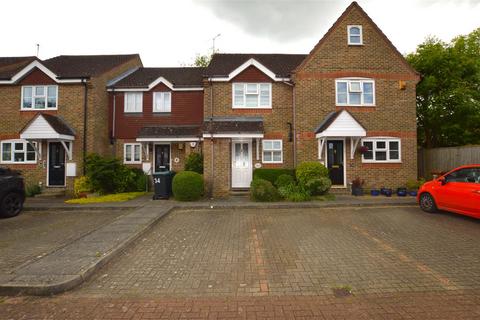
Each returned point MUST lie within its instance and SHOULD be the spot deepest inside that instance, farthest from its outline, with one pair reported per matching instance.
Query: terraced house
(54, 112)
(277, 110)
(244, 111)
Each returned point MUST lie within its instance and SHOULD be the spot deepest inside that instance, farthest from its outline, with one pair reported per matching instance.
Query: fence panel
(445, 159)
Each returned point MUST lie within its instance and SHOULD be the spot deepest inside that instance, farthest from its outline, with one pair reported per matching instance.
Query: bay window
(252, 95)
(381, 150)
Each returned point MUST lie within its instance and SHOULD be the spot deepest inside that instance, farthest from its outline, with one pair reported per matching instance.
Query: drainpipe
(211, 139)
(85, 103)
(294, 124)
(114, 141)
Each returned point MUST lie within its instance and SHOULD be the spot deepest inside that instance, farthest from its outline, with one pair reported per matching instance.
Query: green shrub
(284, 180)
(271, 174)
(187, 186)
(415, 184)
(139, 181)
(262, 190)
(33, 190)
(318, 186)
(194, 162)
(81, 185)
(108, 175)
(294, 193)
(310, 170)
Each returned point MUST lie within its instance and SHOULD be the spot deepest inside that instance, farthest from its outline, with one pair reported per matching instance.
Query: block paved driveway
(265, 264)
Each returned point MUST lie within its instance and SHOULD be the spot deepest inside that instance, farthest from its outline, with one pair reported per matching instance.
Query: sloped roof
(9, 66)
(169, 131)
(179, 77)
(86, 65)
(340, 124)
(35, 128)
(222, 64)
(234, 125)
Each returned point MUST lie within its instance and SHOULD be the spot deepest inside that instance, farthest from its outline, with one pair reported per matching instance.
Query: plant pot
(387, 192)
(357, 191)
(375, 192)
(401, 192)
(413, 193)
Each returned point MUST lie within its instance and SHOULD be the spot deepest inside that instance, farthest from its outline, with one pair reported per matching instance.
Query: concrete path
(69, 266)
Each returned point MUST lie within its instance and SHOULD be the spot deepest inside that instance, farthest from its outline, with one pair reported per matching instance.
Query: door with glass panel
(241, 164)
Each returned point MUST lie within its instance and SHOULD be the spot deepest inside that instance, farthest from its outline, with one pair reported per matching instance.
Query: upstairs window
(353, 92)
(39, 97)
(162, 102)
(132, 153)
(18, 151)
(355, 36)
(272, 151)
(381, 150)
(252, 95)
(133, 102)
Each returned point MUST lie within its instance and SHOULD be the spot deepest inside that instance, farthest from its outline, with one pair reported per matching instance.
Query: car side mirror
(442, 181)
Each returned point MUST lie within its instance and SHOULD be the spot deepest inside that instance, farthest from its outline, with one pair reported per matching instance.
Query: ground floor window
(272, 151)
(381, 150)
(132, 153)
(18, 151)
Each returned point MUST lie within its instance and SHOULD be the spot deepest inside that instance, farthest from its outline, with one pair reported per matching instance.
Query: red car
(456, 191)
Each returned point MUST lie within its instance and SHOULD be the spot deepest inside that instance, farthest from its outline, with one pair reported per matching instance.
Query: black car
(12, 193)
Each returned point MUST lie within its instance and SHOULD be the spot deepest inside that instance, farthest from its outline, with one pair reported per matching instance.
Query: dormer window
(39, 97)
(355, 37)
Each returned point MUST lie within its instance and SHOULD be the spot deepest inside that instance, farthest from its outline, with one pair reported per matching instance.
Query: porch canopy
(233, 127)
(49, 127)
(339, 124)
(170, 134)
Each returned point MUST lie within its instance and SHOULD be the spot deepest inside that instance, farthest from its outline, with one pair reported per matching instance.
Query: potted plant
(386, 191)
(414, 185)
(401, 192)
(375, 192)
(363, 149)
(357, 186)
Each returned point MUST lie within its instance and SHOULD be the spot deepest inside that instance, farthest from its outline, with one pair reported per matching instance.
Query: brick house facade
(162, 126)
(353, 89)
(43, 103)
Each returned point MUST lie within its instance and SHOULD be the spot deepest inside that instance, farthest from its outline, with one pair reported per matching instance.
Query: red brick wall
(187, 109)
(36, 77)
(251, 74)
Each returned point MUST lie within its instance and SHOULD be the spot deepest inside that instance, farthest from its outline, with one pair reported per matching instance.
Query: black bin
(162, 184)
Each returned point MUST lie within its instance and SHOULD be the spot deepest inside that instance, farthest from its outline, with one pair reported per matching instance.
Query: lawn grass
(118, 197)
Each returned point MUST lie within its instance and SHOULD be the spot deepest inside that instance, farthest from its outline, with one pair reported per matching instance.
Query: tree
(448, 96)
(202, 60)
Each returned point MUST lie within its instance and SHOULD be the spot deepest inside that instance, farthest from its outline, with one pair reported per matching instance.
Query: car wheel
(11, 205)
(427, 203)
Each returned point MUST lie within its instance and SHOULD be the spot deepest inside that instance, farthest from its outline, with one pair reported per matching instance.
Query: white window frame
(45, 88)
(387, 141)
(136, 94)
(348, 81)
(12, 151)
(349, 35)
(272, 150)
(162, 94)
(245, 84)
(133, 161)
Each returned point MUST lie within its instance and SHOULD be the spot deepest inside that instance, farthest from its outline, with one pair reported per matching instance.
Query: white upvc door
(241, 163)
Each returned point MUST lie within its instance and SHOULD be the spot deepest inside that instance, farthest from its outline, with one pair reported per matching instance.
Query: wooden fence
(445, 159)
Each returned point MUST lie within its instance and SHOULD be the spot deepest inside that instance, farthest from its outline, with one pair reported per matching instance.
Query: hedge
(272, 174)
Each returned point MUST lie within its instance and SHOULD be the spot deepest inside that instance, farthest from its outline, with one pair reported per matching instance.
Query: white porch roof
(45, 126)
(340, 124)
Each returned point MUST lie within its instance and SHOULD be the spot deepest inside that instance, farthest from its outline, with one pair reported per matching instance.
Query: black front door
(56, 164)
(335, 161)
(162, 157)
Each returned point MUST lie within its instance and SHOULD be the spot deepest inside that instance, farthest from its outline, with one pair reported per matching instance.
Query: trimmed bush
(262, 190)
(81, 185)
(271, 174)
(294, 193)
(139, 181)
(32, 190)
(187, 186)
(310, 170)
(318, 186)
(284, 180)
(194, 162)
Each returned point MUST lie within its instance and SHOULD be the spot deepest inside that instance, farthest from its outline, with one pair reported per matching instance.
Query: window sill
(252, 108)
(272, 162)
(38, 110)
(355, 44)
(18, 163)
(136, 162)
(381, 162)
(355, 105)
(133, 113)
(162, 113)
